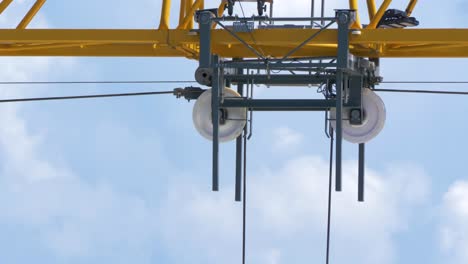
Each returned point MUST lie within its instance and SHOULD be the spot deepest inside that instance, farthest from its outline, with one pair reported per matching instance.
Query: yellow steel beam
(124, 50)
(353, 5)
(411, 6)
(165, 15)
(117, 36)
(273, 42)
(371, 8)
(272, 36)
(4, 4)
(182, 11)
(376, 19)
(443, 51)
(188, 7)
(189, 14)
(221, 8)
(30, 15)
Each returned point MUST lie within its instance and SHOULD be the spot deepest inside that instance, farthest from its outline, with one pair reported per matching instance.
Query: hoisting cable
(330, 176)
(89, 96)
(426, 82)
(244, 198)
(421, 91)
(92, 82)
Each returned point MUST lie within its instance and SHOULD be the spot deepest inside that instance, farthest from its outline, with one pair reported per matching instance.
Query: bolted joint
(204, 16)
(204, 76)
(223, 116)
(355, 116)
(345, 16)
(189, 93)
(374, 80)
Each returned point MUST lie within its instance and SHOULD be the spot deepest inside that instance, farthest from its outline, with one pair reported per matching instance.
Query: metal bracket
(215, 101)
(348, 73)
(344, 19)
(189, 93)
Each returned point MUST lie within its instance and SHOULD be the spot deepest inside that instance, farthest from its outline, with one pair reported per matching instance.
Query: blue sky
(128, 180)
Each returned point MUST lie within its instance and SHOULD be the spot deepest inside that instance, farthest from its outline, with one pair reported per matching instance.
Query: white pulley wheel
(374, 115)
(229, 128)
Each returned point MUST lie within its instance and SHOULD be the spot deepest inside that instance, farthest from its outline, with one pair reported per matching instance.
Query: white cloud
(287, 213)
(65, 215)
(454, 228)
(76, 219)
(69, 217)
(285, 138)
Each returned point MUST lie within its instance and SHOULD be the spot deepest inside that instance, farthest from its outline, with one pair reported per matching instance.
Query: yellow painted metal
(4, 4)
(375, 20)
(411, 6)
(220, 10)
(31, 13)
(371, 8)
(277, 42)
(165, 15)
(189, 14)
(188, 7)
(221, 7)
(273, 42)
(182, 11)
(353, 5)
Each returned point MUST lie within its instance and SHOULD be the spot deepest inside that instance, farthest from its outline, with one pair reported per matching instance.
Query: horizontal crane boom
(275, 42)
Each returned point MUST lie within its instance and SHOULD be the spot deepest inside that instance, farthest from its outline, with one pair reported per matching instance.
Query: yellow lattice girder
(4, 4)
(274, 42)
(411, 6)
(376, 19)
(353, 5)
(187, 22)
(372, 9)
(165, 15)
(31, 13)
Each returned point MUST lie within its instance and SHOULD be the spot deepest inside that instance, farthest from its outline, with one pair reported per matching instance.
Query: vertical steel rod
(339, 129)
(244, 202)
(215, 120)
(238, 190)
(312, 11)
(322, 12)
(205, 40)
(344, 20)
(361, 173)
(330, 177)
(239, 149)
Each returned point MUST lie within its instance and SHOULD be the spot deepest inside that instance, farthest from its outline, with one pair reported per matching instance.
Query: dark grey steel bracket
(204, 73)
(215, 100)
(361, 172)
(344, 20)
(347, 73)
(239, 149)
